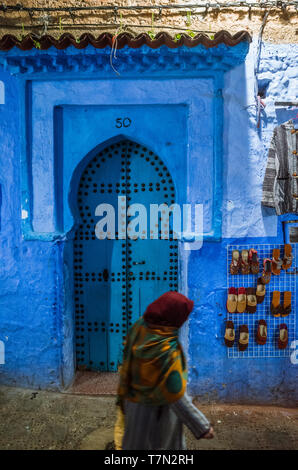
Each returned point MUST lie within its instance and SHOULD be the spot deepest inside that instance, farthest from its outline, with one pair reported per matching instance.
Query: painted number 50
(123, 122)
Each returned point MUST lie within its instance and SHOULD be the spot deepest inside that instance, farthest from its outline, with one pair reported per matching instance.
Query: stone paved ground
(48, 420)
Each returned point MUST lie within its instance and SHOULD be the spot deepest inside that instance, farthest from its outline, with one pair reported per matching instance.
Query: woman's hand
(209, 434)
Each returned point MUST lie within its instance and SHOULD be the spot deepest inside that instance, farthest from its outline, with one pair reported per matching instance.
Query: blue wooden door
(115, 279)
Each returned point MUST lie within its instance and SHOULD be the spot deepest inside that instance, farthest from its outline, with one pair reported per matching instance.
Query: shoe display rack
(283, 282)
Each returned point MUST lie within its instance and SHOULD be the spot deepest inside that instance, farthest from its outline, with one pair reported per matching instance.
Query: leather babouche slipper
(232, 300)
(288, 257)
(241, 300)
(245, 266)
(261, 336)
(275, 308)
(283, 336)
(261, 291)
(243, 338)
(235, 264)
(287, 306)
(251, 300)
(267, 269)
(254, 261)
(276, 261)
(229, 334)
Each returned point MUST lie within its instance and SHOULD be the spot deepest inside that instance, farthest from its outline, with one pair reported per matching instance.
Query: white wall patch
(2, 353)
(2, 93)
(24, 214)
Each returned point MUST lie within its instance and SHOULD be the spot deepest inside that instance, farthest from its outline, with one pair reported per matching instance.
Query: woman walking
(153, 405)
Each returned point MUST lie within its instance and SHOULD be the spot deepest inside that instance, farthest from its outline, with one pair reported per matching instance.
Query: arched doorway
(115, 279)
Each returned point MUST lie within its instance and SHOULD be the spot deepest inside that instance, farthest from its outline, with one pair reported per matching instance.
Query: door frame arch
(79, 169)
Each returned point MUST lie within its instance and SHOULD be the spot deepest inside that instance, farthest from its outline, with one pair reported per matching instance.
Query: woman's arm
(191, 417)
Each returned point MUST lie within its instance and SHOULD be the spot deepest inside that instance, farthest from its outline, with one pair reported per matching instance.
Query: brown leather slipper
(275, 304)
(232, 300)
(251, 300)
(241, 300)
(261, 291)
(245, 266)
(276, 261)
(243, 338)
(261, 337)
(287, 307)
(283, 336)
(288, 257)
(235, 264)
(267, 269)
(229, 334)
(254, 261)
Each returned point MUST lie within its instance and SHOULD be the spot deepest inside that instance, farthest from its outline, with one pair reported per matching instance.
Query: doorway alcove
(116, 275)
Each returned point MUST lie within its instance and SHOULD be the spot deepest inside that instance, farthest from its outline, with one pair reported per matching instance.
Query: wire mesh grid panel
(283, 282)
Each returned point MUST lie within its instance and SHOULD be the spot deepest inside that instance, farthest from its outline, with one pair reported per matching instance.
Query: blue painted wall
(65, 121)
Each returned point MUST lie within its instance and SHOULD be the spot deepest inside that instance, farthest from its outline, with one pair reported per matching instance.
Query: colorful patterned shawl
(154, 369)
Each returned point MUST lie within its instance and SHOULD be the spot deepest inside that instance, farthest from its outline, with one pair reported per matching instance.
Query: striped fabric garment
(280, 186)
